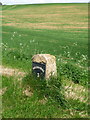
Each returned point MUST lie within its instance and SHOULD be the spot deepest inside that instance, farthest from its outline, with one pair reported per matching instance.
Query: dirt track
(11, 72)
(73, 91)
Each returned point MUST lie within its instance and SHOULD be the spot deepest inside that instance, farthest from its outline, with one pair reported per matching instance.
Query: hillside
(57, 29)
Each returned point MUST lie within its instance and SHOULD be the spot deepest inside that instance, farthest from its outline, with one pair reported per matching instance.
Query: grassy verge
(34, 99)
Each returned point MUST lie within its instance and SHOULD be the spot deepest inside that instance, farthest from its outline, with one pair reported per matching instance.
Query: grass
(57, 29)
(39, 105)
(18, 53)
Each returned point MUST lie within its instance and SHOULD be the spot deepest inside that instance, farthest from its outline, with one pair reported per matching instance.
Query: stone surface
(50, 64)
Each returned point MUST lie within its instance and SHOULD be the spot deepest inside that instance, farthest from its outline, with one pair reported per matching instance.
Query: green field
(57, 29)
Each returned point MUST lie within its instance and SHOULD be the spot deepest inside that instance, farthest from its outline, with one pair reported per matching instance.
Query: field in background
(57, 29)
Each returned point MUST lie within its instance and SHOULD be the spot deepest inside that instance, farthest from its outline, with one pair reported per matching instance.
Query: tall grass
(46, 101)
(49, 89)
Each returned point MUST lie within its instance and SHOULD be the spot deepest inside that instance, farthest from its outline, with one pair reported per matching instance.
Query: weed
(74, 73)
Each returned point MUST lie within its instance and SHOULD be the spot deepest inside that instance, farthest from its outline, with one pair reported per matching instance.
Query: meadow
(57, 29)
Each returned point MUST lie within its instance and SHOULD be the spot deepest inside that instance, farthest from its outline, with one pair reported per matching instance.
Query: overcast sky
(10, 2)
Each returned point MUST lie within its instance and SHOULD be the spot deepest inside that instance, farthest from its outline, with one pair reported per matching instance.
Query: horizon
(25, 2)
(46, 3)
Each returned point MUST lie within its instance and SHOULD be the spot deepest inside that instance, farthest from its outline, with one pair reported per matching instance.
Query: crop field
(57, 29)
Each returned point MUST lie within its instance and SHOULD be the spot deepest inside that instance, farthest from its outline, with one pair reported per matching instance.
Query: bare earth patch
(46, 26)
(11, 72)
(28, 91)
(72, 91)
(76, 92)
(3, 90)
(4, 32)
(0, 16)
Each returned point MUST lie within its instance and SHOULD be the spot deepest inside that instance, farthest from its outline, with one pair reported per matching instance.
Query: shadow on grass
(49, 89)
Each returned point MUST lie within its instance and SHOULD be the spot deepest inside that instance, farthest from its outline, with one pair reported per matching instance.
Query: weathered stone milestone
(44, 65)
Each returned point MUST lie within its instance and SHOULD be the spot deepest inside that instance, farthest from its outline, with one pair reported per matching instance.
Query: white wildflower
(84, 57)
(20, 44)
(75, 44)
(67, 47)
(5, 49)
(76, 53)
(33, 40)
(58, 59)
(14, 57)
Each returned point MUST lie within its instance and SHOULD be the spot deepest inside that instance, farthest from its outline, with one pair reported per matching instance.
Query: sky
(10, 2)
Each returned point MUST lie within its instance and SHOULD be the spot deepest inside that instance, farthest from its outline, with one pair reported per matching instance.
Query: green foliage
(51, 89)
(18, 55)
(74, 73)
